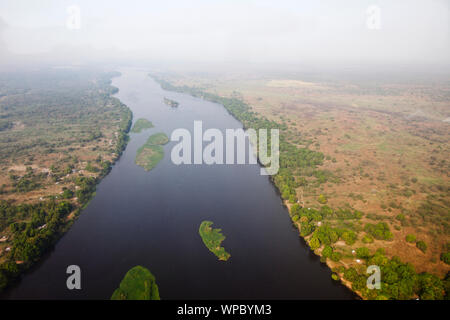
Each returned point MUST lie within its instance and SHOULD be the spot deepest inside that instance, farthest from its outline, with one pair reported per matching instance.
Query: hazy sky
(262, 31)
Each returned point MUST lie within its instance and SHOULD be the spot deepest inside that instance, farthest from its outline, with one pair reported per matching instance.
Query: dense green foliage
(151, 153)
(212, 238)
(138, 284)
(410, 238)
(47, 220)
(399, 280)
(363, 253)
(421, 245)
(379, 231)
(141, 124)
(446, 257)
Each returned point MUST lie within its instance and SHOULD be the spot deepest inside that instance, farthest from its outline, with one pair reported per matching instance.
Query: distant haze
(232, 32)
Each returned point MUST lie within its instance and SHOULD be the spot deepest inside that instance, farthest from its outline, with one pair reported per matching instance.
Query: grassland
(212, 238)
(380, 171)
(138, 284)
(64, 130)
(141, 124)
(151, 153)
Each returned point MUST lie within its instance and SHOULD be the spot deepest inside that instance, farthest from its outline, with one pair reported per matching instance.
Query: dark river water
(152, 219)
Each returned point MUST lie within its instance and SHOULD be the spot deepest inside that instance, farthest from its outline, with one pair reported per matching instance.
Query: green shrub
(410, 238)
(327, 251)
(322, 199)
(349, 237)
(379, 231)
(350, 274)
(336, 256)
(422, 246)
(446, 257)
(363, 253)
(314, 243)
(367, 239)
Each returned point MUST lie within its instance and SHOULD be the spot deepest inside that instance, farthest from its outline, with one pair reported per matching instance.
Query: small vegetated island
(151, 152)
(138, 284)
(141, 124)
(212, 238)
(171, 103)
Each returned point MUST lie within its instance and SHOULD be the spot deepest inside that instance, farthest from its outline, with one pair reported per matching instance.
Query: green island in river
(151, 152)
(138, 284)
(171, 103)
(212, 238)
(141, 124)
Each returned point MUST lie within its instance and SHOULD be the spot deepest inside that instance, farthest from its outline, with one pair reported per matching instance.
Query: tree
(422, 246)
(292, 199)
(367, 239)
(322, 199)
(336, 256)
(446, 257)
(314, 243)
(379, 231)
(410, 238)
(350, 274)
(306, 228)
(349, 237)
(363, 253)
(327, 251)
(431, 287)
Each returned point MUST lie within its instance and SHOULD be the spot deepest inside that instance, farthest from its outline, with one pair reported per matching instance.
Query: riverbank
(46, 219)
(330, 233)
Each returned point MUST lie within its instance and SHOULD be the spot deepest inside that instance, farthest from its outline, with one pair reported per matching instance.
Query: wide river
(152, 219)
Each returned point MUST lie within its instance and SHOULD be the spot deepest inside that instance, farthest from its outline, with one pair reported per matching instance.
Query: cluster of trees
(328, 252)
(31, 239)
(325, 234)
(126, 117)
(379, 231)
(86, 188)
(398, 280)
(28, 182)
